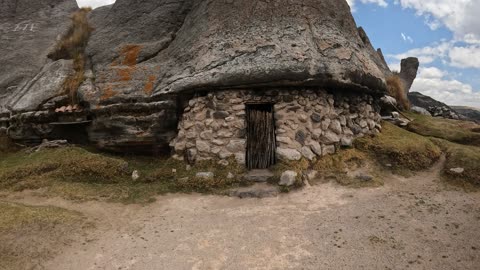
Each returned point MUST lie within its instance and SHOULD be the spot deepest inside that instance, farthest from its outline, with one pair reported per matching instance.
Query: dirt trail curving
(410, 223)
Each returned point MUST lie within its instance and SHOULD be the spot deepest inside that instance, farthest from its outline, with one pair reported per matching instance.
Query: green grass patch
(400, 150)
(461, 156)
(78, 174)
(462, 132)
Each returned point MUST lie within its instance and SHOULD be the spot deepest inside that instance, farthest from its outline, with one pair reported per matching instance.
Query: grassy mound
(461, 132)
(461, 156)
(21, 170)
(77, 174)
(400, 150)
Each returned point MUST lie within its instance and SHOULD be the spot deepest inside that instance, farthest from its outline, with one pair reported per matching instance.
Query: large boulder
(146, 57)
(28, 29)
(145, 48)
(408, 72)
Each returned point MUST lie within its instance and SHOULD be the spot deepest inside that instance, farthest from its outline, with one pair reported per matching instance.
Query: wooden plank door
(261, 142)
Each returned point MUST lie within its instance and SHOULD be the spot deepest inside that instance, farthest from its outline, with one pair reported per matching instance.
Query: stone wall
(309, 123)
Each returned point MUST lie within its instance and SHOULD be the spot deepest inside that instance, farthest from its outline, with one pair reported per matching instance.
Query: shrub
(396, 89)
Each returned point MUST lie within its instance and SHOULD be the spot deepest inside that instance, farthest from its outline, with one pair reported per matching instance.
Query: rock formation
(408, 72)
(434, 107)
(147, 59)
(28, 29)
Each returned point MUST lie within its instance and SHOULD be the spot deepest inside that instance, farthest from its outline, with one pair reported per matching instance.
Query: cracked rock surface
(164, 46)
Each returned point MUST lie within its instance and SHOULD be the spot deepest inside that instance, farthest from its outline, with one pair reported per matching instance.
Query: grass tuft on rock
(72, 45)
(400, 150)
(396, 89)
(462, 132)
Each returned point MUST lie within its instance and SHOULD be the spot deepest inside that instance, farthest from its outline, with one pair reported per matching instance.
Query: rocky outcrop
(28, 29)
(434, 107)
(146, 56)
(408, 72)
(134, 53)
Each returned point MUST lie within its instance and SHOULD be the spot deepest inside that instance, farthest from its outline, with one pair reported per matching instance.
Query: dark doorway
(261, 142)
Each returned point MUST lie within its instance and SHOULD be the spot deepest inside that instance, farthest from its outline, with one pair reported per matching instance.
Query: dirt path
(410, 223)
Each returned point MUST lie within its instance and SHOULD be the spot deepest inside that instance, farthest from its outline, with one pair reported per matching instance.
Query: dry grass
(401, 150)
(31, 234)
(345, 166)
(396, 89)
(72, 46)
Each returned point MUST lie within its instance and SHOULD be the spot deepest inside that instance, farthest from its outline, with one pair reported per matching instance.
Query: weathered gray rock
(330, 137)
(457, 170)
(258, 176)
(46, 85)
(288, 178)
(307, 153)
(434, 107)
(408, 71)
(288, 154)
(420, 110)
(205, 175)
(188, 50)
(28, 29)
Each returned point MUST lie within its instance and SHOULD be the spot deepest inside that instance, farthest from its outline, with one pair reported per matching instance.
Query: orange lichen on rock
(108, 93)
(125, 74)
(130, 53)
(148, 89)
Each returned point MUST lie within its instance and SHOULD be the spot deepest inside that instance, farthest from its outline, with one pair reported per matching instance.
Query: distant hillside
(435, 107)
(468, 112)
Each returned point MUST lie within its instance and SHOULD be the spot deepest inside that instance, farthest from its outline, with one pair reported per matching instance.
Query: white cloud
(407, 38)
(465, 57)
(94, 3)
(382, 3)
(449, 52)
(431, 73)
(432, 82)
(460, 16)
(426, 55)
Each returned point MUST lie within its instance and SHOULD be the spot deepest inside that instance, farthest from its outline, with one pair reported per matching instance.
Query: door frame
(269, 158)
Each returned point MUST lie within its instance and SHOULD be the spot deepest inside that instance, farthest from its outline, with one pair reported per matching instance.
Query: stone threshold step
(258, 176)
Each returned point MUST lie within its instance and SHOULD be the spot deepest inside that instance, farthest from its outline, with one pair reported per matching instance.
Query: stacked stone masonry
(309, 123)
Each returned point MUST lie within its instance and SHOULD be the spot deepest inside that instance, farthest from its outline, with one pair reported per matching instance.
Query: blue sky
(443, 34)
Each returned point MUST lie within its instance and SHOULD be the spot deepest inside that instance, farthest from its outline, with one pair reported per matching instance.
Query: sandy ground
(413, 223)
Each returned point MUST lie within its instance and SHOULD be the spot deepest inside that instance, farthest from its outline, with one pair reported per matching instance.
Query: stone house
(259, 127)
(252, 80)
